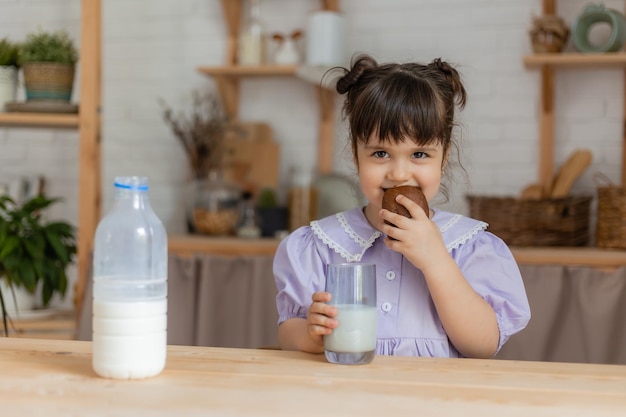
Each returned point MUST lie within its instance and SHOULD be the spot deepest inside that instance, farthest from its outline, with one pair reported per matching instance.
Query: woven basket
(611, 223)
(48, 81)
(544, 222)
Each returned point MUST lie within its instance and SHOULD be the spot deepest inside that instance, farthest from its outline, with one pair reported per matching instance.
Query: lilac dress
(408, 324)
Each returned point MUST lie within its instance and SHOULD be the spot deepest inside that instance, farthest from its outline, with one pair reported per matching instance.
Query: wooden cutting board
(252, 156)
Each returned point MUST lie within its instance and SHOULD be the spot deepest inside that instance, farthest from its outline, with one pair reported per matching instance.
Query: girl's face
(386, 165)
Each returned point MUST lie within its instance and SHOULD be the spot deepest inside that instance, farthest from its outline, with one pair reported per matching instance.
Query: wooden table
(54, 378)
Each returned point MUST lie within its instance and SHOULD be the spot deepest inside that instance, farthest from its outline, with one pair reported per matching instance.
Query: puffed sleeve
(298, 272)
(490, 268)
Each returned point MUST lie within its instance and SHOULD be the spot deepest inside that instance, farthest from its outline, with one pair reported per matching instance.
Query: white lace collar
(349, 234)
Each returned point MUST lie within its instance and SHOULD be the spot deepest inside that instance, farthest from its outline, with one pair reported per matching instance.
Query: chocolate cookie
(413, 193)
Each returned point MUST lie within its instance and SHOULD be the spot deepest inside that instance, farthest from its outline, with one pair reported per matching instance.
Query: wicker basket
(48, 81)
(544, 222)
(611, 223)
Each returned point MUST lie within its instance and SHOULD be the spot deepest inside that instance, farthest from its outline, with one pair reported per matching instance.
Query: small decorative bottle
(302, 198)
(252, 37)
(130, 286)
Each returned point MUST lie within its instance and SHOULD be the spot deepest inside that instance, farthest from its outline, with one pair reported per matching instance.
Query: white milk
(356, 331)
(129, 339)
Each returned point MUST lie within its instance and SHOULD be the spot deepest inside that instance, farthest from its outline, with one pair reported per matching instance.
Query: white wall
(151, 50)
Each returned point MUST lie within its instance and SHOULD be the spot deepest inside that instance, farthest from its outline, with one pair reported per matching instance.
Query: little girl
(445, 286)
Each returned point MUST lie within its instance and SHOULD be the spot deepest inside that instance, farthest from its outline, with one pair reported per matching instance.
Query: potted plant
(8, 71)
(34, 252)
(272, 216)
(48, 60)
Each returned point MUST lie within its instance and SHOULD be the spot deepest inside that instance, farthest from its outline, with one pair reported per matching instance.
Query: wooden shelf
(547, 64)
(228, 77)
(575, 60)
(39, 120)
(571, 256)
(88, 123)
(188, 245)
(237, 71)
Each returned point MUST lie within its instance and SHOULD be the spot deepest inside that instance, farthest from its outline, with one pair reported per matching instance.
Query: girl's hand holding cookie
(416, 237)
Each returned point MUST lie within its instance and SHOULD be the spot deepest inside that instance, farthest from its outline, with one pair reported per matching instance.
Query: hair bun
(359, 65)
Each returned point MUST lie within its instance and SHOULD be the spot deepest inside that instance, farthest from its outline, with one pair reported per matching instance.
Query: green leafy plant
(44, 46)
(267, 198)
(33, 250)
(8, 53)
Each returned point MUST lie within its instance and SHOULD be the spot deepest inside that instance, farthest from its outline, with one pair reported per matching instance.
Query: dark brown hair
(399, 101)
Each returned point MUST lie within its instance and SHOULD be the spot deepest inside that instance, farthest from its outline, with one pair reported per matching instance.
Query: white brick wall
(151, 50)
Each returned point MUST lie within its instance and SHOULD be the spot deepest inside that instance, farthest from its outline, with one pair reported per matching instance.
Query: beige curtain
(578, 315)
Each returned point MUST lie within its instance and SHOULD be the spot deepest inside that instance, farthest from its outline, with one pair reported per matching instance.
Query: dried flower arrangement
(549, 34)
(201, 132)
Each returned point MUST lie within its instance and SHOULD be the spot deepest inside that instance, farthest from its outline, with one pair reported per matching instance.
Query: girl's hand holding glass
(320, 317)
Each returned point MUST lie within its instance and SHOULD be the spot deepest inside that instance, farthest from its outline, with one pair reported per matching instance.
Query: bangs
(402, 108)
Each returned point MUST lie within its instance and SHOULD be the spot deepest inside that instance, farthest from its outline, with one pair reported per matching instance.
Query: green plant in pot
(34, 252)
(48, 60)
(272, 216)
(8, 71)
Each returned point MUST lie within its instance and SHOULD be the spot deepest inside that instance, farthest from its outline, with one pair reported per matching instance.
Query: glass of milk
(353, 291)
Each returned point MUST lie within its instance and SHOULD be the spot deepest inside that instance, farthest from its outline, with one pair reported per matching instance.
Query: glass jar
(215, 205)
(248, 226)
(302, 198)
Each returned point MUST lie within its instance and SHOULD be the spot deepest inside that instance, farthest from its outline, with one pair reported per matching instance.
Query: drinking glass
(353, 292)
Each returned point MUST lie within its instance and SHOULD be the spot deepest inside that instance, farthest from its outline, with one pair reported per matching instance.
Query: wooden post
(326, 133)
(624, 132)
(325, 98)
(549, 6)
(232, 15)
(546, 133)
(89, 183)
(331, 5)
(546, 118)
(624, 138)
(228, 88)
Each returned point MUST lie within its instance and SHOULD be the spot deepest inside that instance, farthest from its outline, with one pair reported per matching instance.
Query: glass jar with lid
(215, 205)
